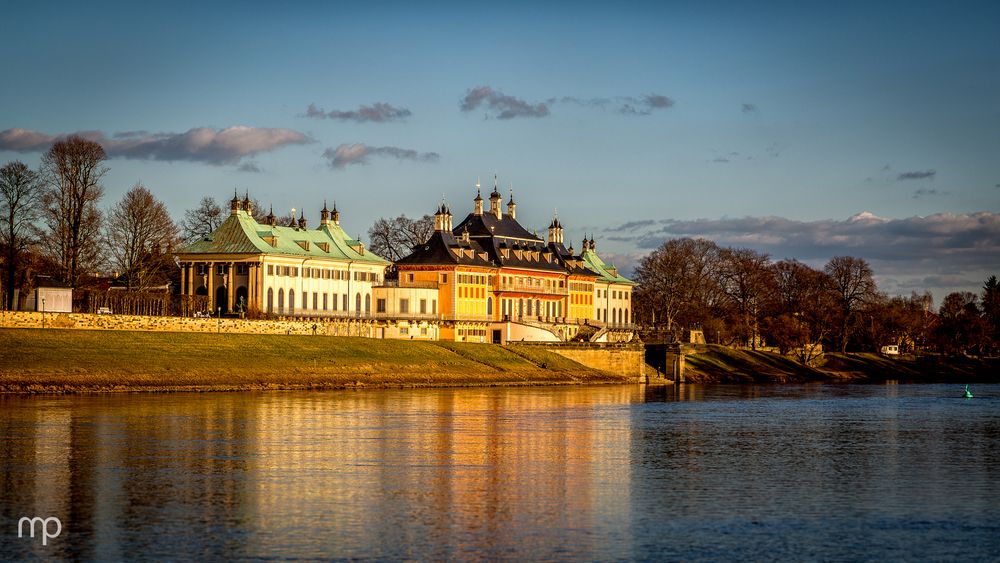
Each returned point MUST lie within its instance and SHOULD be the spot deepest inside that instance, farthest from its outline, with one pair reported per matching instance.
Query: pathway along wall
(332, 327)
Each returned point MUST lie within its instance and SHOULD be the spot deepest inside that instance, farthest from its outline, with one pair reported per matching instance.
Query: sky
(802, 129)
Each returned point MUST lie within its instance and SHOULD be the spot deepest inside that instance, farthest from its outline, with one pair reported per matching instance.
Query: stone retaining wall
(333, 327)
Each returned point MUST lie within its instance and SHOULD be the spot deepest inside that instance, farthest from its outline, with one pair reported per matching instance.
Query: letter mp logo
(44, 523)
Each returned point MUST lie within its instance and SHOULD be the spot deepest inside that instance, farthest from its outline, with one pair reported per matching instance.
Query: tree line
(738, 296)
(52, 224)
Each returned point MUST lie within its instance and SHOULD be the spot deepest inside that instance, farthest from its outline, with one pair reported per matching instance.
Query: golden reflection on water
(345, 470)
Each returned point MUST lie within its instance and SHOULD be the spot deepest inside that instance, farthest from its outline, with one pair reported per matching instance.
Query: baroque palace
(488, 279)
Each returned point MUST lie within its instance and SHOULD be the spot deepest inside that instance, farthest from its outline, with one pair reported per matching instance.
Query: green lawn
(55, 359)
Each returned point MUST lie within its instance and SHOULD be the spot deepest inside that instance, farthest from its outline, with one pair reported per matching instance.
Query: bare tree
(20, 201)
(202, 220)
(853, 285)
(744, 276)
(395, 238)
(73, 170)
(679, 283)
(140, 236)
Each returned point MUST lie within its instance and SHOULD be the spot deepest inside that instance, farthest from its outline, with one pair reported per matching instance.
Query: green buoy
(968, 394)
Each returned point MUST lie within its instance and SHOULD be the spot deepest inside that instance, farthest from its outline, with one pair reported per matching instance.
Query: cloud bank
(917, 175)
(379, 112)
(201, 144)
(912, 253)
(500, 105)
(359, 153)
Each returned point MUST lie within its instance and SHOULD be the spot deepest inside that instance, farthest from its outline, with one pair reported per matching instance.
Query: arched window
(270, 300)
(291, 301)
(529, 307)
(627, 319)
(614, 315)
(520, 307)
(368, 304)
(357, 304)
(489, 305)
(281, 301)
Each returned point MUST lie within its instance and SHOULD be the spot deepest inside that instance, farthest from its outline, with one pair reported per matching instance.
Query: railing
(461, 317)
(532, 288)
(405, 316)
(413, 284)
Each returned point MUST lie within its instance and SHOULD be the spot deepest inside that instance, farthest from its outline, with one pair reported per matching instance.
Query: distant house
(50, 296)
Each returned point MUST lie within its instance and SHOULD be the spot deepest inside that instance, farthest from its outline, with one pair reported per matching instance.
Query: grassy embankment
(56, 360)
(719, 364)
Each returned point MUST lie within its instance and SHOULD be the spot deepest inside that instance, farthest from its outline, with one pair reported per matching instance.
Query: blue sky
(770, 125)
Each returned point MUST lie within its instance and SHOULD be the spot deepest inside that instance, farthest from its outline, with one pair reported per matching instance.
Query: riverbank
(72, 361)
(719, 364)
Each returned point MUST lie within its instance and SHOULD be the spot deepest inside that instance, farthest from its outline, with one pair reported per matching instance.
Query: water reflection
(610, 472)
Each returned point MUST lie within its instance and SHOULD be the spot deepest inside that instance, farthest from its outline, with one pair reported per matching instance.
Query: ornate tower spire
(495, 199)
(555, 229)
(235, 204)
(335, 214)
(478, 202)
(511, 206)
(324, 215)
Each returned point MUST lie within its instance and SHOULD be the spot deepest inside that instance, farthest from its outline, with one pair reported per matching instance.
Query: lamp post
(218, 322)
(43, 312)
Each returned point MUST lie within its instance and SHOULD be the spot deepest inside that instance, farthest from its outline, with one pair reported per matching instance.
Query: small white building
(50, 296)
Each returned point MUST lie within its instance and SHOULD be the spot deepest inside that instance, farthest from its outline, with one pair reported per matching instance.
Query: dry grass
(56, 360)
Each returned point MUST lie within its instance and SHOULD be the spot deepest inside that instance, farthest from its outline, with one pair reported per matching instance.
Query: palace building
(285, 270)
(498, 282)
(488, 279)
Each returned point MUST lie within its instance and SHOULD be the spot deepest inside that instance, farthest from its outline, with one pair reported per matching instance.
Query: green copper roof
(594, 262)
(241, 234)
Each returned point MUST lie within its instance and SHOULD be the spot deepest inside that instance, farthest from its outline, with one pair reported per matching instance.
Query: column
(251, 284)
(230, 282)
(211, 286)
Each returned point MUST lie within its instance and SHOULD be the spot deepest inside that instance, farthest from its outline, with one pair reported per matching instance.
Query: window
(444, 278)
(334, 301)
(423, 306)
(325, 301)
(241, 269)
(489, 306)
(368, 304)
(270, 269)
(409, 278)
(380, 305)
(201, 269)
(357, 302)
(270, 300)
(291, 301)
(404, 305)
(305, 300)
(220, 269)
(281, 301)
(345, 302)
(423, 331)
(316, 300)
(434, 306)
(404, 330)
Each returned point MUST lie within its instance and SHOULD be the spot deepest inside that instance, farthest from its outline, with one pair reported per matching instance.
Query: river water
(829, 472)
